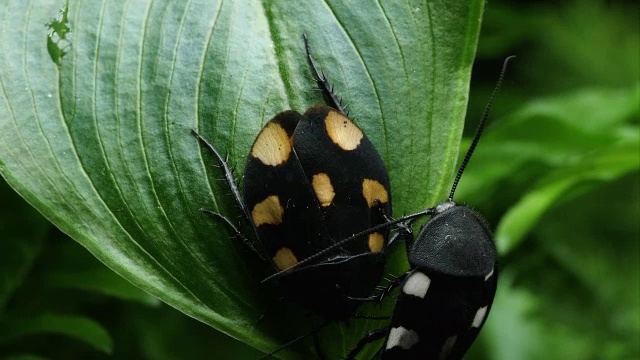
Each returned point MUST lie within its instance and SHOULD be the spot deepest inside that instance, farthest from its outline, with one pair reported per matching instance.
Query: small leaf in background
(80, 328)
(22, 236)
(549, 133)
(601, 167)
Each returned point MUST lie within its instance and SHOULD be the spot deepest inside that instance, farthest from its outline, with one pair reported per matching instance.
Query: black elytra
(446, 295)
(312, 180)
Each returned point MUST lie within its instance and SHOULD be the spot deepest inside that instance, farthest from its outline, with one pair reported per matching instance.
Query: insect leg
(228, 175)
(368, 338)
(214, 215)
(322, 81)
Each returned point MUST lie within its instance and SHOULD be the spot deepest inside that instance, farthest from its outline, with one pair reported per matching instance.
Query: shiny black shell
(310, 181)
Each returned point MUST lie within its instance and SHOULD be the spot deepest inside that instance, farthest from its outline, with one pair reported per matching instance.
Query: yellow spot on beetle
(323, 188)
(372, 191)
(268, 211)
(376, 241)
(284, 258)
(272, 146)
(342, 131)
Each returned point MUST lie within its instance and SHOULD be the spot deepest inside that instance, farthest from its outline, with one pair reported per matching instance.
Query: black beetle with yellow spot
(312, 180)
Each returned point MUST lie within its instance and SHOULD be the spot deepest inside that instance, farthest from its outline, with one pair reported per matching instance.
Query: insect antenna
(480, 128)
(347, 240)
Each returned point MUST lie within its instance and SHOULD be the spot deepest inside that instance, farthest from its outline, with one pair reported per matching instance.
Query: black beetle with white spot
(446, 295)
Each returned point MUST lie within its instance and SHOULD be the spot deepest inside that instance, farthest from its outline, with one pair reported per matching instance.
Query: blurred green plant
(558, 171)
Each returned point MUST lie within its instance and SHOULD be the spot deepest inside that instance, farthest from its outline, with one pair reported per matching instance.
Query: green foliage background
(556, 174)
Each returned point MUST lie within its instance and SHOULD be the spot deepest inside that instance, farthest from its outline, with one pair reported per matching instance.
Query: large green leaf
(95, 121)
(68, 266)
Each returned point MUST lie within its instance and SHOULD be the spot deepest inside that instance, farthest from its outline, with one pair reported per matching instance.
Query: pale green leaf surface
(101, 146)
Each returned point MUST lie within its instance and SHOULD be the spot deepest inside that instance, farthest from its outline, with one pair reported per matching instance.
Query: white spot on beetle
(404, 338)
(488, 275)
(417, 285)
(480, 314)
